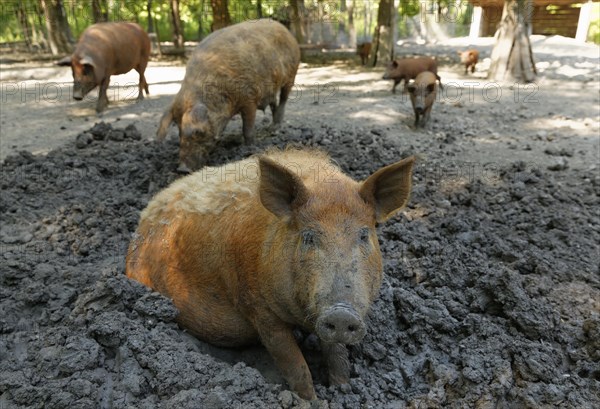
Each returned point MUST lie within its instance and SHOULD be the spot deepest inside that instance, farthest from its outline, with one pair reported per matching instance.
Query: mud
(491, 295)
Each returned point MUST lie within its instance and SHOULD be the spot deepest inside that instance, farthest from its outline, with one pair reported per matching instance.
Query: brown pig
(469, 58)
(235, 70)
(106, 49)
(408, 68)
(422, 95)
(253, 249)
(364, 50)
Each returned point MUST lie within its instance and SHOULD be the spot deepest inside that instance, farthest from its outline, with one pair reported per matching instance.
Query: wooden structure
(569, 18)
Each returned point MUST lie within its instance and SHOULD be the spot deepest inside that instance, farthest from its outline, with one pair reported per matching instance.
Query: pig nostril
(351, 328)
(330, 327)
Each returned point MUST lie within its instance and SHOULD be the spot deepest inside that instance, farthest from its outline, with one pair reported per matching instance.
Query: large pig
(363, 50)
(250, 250)
(469, 58)
(235, 70)
(422, 95)
(106, 49)
(408, 68)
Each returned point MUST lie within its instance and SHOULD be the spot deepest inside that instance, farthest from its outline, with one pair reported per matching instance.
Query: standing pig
(364, 50)
(235, 70)
(469, 58)
(106, 49)
(408, 68)
(252, 249)
(422, 94)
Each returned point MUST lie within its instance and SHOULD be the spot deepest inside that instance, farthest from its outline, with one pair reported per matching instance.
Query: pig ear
(64, 62)
(394, 63)
(87, 61)
(388, 189)
(281, 190)
(194, 118)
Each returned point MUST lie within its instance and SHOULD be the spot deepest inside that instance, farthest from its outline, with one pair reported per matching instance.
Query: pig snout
(420, 108)
(340, 324)
(77, 92)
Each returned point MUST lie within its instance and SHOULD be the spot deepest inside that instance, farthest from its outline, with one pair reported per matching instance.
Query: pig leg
(416, 119)
(102, 98)
(280, 108)
(248, 118)
(143, 85)
(472, 68)
(396, 82)
(336, 357)
(278, 339)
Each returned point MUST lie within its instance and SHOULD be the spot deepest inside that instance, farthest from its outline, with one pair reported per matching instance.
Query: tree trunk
(383, 38)
(512, 59)
(351, 30)
(24, 24)
(259, 13)
(297, 19)
(150, 16)
(221, 16)
(57, 26)
(176, 24)
(99, 11)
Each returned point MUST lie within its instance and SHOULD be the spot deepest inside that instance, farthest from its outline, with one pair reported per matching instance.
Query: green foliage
(594, 31)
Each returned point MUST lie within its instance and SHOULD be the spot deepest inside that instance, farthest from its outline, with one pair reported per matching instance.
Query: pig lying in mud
(235, 70)
(252, 249)
(422, 95)
(469, 58)
(408, 68)
(106, 49)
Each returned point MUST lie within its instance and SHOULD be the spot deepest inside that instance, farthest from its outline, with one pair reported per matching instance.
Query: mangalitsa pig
(235, 70)
(250, 250)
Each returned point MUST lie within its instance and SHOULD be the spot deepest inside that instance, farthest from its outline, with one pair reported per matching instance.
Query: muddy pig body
(106, 49)
(406, 69)
(235, 70)
(363, 50)
(469, 58)
(255, 248)
(422, 91)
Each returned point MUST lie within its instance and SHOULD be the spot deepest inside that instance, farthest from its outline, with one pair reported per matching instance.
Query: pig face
(422, 95)
(331, 246)
(392, 71)
(84, 76)
(196, 131)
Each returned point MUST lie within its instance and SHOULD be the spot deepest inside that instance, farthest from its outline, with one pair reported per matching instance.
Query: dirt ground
(491, 296)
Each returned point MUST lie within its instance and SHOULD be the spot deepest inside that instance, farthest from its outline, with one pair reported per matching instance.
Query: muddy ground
(491, 296)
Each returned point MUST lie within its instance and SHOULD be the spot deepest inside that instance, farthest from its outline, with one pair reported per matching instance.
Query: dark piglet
(423, 91)
(235, 70)
(406, 69)
(106, 49)
(255, 248)
(364, 50)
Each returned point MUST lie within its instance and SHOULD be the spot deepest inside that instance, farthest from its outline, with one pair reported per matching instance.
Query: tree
(297, 11)
(221, 16)
(383, 38)
(512, 58)
(99, 11)
(57, 26)
(351, 30)
(176, 25)
(24, 23)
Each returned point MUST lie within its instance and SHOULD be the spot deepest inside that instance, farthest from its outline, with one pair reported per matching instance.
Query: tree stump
(512, 59)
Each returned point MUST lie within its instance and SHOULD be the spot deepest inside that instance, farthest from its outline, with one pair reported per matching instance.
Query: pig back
(118, 47)
(245, 63)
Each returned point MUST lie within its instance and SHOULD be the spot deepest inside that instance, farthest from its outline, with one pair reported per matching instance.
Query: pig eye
(430, 88)
(411, 89)
(88, 69)
(364, 235)
(308, 238)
